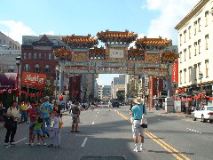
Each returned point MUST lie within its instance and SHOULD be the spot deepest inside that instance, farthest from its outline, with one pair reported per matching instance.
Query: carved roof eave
(116, 36)
(82, 45)
(80, 40)
(153, 42)
(62, 52)
(169, 56)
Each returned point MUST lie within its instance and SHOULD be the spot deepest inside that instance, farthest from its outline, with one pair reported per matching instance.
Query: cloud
(15, 29)
(170, 13)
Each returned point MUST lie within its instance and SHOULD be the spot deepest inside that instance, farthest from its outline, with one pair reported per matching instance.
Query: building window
(29, 55)
(180, 39)
(206, 18)
(199, 24)
(11, 68)
(27, 67)
(199, 64)
(184, 76)
(49, 56)
(39, 55)
(189, 49)
(184, 55)
(180, 77)
(34, 55)
(195, 48)
(180, 57)
(47, 68)
(190, 74)
(184, 35)
(195, 27)
(25, 55)
(207, 68)
(207, 41)
(189, 31)
(195, 72)
(199, 44)
(37, 68)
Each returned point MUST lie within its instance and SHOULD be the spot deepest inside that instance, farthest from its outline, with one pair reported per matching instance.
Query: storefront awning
(7, 80)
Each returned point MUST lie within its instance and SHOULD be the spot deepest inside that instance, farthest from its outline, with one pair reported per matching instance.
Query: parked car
(115, 104)
(206, 113)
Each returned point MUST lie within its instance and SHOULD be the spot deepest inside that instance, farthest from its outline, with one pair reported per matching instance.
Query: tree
(131, 90)
(120, 95)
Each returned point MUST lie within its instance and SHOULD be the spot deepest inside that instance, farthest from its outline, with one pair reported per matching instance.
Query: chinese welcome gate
(149, 56)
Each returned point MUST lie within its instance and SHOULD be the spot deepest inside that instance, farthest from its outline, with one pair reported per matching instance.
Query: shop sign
(34, 80)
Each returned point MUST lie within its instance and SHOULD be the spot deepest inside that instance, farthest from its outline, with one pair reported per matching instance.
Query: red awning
(7, 80)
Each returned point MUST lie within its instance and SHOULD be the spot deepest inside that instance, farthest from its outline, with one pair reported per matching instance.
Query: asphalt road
(107, 133)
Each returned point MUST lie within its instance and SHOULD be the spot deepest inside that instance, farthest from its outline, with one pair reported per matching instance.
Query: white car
(204, 114)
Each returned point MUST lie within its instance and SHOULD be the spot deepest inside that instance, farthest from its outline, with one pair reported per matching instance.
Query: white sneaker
(136, 149)
(44, 144)
(141, 148)
(38, 144)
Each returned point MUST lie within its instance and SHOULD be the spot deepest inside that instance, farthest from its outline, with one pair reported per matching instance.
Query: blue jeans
(24, 116)
(46, 126)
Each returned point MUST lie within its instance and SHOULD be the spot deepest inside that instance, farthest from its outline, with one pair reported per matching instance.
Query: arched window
(37, 68)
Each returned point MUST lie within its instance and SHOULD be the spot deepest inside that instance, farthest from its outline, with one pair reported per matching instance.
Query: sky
(151, 18)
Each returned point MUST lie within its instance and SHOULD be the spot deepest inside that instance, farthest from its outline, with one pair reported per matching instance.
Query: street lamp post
(56, 81)
(18, 62)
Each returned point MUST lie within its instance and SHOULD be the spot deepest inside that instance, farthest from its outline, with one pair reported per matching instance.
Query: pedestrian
(33, 113)
(37, 131)
(11, 119)
(137, 112)
(75, 112)
(2, 111)
(56, 125)
(45, 109)
(23, 110)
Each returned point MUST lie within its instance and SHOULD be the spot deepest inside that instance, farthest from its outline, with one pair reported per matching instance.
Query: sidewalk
(177, 114)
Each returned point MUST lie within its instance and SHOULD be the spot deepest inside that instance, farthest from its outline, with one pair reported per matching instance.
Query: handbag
(144, 123)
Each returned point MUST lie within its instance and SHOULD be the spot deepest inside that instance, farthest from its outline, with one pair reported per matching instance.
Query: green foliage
(120, 96)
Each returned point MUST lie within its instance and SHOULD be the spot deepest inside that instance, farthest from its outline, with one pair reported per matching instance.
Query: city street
(105, 133)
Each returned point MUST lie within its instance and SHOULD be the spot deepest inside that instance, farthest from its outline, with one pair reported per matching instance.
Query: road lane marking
(20, 140)
(163, 146)
(177, 154)
(175, 151)
(84, 142)
(193, 130)
(16, 142)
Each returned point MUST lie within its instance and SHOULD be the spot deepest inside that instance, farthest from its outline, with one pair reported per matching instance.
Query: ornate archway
(150, 56)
